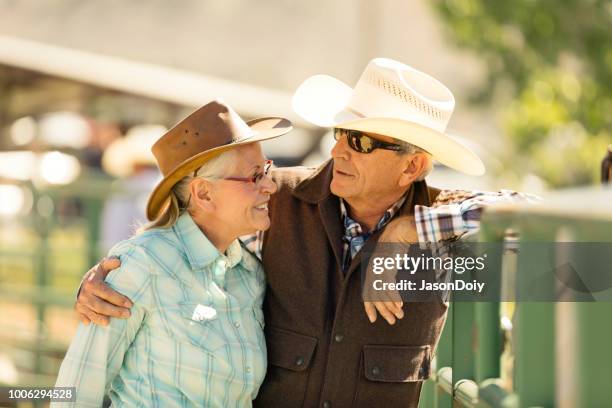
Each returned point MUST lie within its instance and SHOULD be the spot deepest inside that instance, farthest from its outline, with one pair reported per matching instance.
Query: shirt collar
(353, 228)
(198, 248)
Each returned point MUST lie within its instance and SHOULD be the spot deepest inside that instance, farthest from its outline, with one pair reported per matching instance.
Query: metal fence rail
(38, 278)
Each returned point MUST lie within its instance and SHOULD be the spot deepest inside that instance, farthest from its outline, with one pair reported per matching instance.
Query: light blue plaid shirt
(195, 336)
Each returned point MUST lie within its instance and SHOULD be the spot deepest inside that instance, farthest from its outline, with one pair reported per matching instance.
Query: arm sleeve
(96, 353)
(456, 213)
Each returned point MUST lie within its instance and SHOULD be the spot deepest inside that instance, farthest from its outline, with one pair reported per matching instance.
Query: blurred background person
(131, 161)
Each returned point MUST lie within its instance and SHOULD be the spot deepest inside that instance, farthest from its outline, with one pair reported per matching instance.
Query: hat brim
(322, 100)
(443, 147)
(265, 128)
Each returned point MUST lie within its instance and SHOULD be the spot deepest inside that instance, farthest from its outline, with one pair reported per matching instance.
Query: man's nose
(341, 149)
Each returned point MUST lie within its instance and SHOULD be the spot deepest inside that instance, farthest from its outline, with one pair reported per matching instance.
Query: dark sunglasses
(257, 177)
(362, 143)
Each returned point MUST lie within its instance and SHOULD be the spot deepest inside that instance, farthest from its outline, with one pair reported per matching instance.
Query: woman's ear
(414, 165)
(201, 195)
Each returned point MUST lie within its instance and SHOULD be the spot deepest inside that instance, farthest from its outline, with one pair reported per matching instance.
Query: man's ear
(414, 165)
(201, 194)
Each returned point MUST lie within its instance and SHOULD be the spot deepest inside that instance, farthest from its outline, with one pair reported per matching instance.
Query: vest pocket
(290, 350)
(396, 363)
(392, 375)
(289, 358)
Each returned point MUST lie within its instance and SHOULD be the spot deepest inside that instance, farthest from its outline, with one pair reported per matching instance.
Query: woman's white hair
(215, 168)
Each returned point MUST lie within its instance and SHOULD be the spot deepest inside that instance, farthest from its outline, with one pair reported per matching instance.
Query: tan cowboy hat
(206, 133)
(124, 153)
(391, 99)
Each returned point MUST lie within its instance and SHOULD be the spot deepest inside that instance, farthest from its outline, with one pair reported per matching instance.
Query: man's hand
(400, 230)
(390, 311)
(96, 301)
(387, 302)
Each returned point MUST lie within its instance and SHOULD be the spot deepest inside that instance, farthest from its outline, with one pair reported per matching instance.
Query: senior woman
(195, 335)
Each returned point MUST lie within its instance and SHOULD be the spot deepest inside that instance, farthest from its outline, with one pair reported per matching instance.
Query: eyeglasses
(257, 177)
(362, 143)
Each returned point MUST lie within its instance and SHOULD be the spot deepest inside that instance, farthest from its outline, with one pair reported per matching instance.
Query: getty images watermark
(389, 265)
(525, 271)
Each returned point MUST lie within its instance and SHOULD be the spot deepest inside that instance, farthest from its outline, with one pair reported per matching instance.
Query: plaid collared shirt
(457, 212)
(354, 238)
(195, 335)
(453, 214)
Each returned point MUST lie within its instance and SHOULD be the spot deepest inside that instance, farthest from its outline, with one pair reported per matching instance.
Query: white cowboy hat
(135, 148)
(390, 99)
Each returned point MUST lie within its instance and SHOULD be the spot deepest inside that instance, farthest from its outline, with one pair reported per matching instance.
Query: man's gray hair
(409, 148)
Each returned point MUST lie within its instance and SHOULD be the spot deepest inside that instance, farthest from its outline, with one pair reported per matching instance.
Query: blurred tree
(549, 63)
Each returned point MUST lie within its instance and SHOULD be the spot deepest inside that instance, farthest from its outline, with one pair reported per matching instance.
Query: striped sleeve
(96, 353)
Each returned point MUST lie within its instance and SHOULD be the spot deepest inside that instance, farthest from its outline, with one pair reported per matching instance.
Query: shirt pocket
(201, 331)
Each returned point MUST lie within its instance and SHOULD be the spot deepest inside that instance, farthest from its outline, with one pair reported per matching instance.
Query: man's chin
(338, 190)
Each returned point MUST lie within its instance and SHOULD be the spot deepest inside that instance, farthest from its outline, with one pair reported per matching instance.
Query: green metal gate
(530, 354)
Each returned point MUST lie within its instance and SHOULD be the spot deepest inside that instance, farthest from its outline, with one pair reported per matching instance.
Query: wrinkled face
(365, 177)
(242, 205)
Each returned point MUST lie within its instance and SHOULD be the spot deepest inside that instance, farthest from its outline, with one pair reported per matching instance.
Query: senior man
(324, 349)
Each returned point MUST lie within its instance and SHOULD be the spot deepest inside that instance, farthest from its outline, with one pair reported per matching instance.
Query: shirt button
(299, 361)
(326, 404)
(375, 371)
(248, 369)
(338, 338)
(236, 324)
